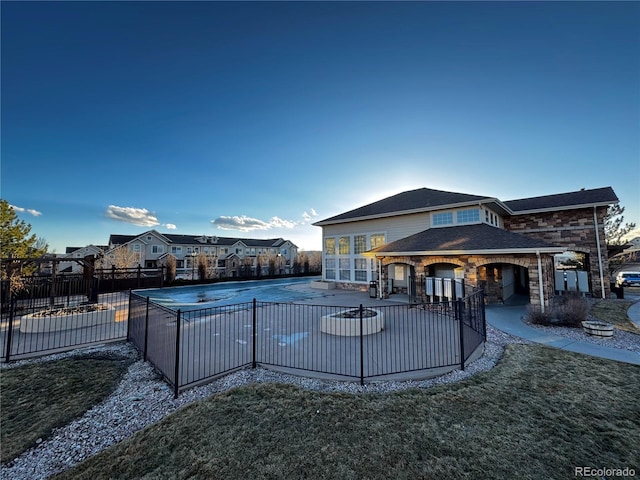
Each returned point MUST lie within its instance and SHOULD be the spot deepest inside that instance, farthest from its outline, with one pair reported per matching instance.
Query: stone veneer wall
(476, 273)
(574, 230)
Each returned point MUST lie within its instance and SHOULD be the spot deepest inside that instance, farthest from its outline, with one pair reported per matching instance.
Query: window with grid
(467, 216)
(360, 272)
(345, 269)
(344, 244)
(377, 240)
(445, 218)
(359, 244)
(329, 246)
(330, 268)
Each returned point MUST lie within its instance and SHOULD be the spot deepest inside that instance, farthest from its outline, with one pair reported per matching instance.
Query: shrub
(573, 310)
(569, 310)
(536, 316)
(565, 310)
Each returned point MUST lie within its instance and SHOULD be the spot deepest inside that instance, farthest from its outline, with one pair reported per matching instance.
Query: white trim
(466, 252)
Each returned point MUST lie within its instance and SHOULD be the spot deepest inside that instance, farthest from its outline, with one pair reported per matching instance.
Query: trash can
(618, 291)
(373, 289)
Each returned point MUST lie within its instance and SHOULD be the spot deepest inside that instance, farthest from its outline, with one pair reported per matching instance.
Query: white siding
(394, 228)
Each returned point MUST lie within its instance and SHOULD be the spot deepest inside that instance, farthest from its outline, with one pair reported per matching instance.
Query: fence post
(129, 318)
(255, 332)
(113, 278)
(458, 312)
(484, 316)
(361, 345)
(176, 372)
(138, 276)
(12, 309)
(146, 331)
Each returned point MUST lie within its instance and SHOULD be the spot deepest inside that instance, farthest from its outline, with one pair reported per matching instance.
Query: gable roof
(562, 201)
(479, 238)
(413, 201)
(177, 239)
(427, 199)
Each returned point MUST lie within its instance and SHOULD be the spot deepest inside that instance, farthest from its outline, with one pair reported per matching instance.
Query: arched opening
(504, 283)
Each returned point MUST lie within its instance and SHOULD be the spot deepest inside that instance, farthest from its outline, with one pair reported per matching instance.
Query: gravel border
(143, 398)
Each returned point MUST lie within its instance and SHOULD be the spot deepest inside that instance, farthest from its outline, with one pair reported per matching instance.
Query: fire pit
(347, 322)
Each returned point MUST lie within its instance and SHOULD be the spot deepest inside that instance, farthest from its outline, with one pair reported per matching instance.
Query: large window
(377, 240)
(360, 269)
(359, 244)
(445, 218)
(157, 249)
(468, 216)
(330, 268)
(330, 246)
(344, 244)
(345, 269)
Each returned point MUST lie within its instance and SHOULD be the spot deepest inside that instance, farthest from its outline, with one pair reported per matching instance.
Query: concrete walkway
(509, 320)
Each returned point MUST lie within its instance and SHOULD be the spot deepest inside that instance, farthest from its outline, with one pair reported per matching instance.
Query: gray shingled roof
(420, 199)
(424, 199)
(116, 239)
(467, 238)
(596, 196)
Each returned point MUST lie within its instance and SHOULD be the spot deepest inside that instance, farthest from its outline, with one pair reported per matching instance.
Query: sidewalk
(509, 320)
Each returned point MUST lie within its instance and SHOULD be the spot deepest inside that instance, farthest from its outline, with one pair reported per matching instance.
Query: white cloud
(308, 216)
(248, 224)
(169, 226)
(242, 223)
(136, 216)
(31, 211)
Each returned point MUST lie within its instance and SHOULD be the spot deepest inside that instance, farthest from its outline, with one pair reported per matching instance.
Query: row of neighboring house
(517, 247)
(228, 256)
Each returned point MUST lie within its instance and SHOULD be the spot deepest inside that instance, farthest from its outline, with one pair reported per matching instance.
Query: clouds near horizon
(135, 216)
(30, 211)
(244, 223)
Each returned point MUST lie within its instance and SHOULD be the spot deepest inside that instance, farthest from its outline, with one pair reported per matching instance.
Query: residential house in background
(532, 246)
(72, 261)
(230, 256)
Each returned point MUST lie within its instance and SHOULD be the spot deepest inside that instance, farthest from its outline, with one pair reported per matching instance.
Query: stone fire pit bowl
(67, 318)
(346, 323)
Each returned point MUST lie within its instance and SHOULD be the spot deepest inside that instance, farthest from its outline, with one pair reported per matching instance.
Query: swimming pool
(227, 293)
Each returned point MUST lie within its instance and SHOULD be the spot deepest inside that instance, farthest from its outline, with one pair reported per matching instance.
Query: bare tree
(202, 265)
(118, 257)
(170, 262)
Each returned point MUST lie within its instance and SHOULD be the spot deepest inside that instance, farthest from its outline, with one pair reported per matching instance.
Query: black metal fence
(344, 342)
(65, 320)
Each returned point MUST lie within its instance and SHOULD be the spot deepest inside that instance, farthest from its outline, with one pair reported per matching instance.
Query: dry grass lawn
(39, 397)
(537, 415)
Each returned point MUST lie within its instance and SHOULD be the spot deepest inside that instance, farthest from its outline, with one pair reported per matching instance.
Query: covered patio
(504, 264)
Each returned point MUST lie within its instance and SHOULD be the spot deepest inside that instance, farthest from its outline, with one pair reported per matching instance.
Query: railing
(57, 322)
(195, 346)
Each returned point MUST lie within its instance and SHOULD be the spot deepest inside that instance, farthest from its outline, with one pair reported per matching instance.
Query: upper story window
(157, 249)
(377, 240)
(445, 218)
(177, 250)
(468, 216)
(344, 244)
(330, 246)
(359, 244)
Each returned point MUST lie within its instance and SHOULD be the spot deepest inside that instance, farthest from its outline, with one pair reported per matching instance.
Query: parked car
(628, 279)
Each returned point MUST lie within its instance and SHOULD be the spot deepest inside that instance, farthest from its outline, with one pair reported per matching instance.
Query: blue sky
(256, 119)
